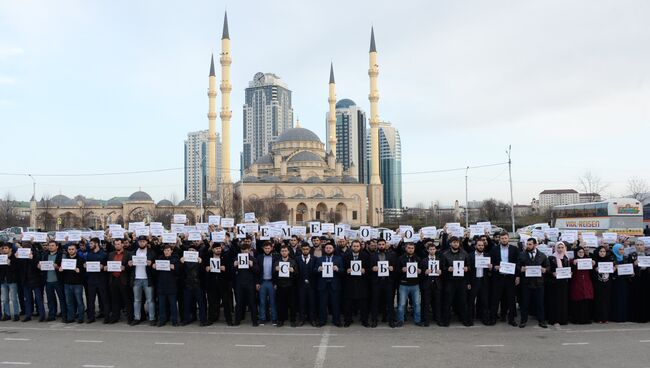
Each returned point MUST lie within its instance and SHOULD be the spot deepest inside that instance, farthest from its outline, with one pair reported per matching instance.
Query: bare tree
(591, 185)
(638, 189)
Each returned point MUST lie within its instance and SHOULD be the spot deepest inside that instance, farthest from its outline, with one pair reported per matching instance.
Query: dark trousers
(286, 303)
(478, 305)
(307, 301)
(331, 297)
(431, 291)
(34, 293)
(97, 290)
(351, 304)
(165, 300)
(54, 290)
(455, 292)
(382, 294)
(220, 296)
(191, 297)
(245, 295)
(502, 287)
(121, 296)
(534, 293)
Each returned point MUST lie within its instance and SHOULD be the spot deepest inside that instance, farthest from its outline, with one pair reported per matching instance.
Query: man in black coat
(453, 264)
(167, 287)
(245, 280)
(431, 286)
(382, 288)
(356, 283)
(478, 301)
(329, 287)
(120, 291)
(219, 284)
(503, 285)
(306, 286)
(284, 281)
(532, 286)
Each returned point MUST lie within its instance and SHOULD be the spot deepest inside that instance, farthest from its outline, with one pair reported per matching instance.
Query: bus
(618, 215)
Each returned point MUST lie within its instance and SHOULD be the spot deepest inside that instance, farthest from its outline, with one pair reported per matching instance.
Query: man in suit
(479, 285)
(409, 271)
(118, 284)
(265, 285)
(356, 285)
(382, 287)
(455, 283)
(329, 287)
(306, 287)
(503, 285)
(431, 286)
(532, 286)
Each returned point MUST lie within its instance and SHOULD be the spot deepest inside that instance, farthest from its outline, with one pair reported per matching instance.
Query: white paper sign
(242, 260)
(240, 231)
(74, 236)
(218, 236)
(533, 271)
(538, 234)
(227, 222)
(23, 253)
(135, 225)
(191, 256)
(97, 234)
(507, 268)
(570, 254)
(569, 236)
(382, 269)
(156, 231)
(141, 231)
(458, 231)
(644, 261)
(563, 273)
(476, 230)
(364, 233)
(429, 232)
(584, 264)
(590, 241)
(249, 217)
(482, 262)
(625, 269)
(610, 238)
(252, 228)
(45, 265)
(546, 250)
(327, 227)
(265, 233)
(114, 227)
(214, 220)
(606, 267)
(645, 240)
(459, 268)
(203, 227)
(114, 266)
(283, 269)
(40, 238)
(327, 270)
(163, 265)
(169, 238)
(411, 270)
(117, 234)
(177, 228)
(355, 268)
(93, 266)
(139, 260)
(194, 235)
(215, 265)
(298, 230)
(68, 264)
(552, 232)
(60, 236)
(180, 218)
(434, 267)
(487, 226)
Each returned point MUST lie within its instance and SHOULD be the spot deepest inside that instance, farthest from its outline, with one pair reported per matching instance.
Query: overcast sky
(111, 86)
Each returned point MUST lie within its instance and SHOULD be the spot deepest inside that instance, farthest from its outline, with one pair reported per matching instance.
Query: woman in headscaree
(582, 292)
(602, 283)
(558, 313)
(620, 288)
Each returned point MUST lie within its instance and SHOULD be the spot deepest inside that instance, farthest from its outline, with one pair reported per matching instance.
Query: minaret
(331, 117)
(375, 189)
(211, 159)
(226, 113)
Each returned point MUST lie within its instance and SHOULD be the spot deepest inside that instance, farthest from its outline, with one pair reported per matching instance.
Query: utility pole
(466, 200)
(202, 166)
(512, 200)
(33, 186)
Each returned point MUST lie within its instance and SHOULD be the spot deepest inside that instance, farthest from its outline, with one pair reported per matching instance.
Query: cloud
(6, 52)
(4, 79)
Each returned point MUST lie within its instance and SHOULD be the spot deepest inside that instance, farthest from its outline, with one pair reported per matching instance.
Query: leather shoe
(512, 323)
(543, 325)
(522, 325)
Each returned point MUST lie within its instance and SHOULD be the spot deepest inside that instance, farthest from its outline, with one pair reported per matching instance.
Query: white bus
(619, 215)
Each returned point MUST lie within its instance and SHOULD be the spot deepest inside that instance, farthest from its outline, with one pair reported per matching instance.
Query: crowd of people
(320, 279)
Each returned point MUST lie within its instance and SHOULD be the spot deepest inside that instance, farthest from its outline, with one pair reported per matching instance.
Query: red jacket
(580, 287)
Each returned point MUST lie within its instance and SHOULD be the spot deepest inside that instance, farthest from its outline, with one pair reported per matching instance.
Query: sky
(96, 87)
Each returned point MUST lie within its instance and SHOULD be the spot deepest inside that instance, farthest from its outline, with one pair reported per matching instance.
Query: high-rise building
(390, 165)
(196, 164)
(351, 134)
(267, 113)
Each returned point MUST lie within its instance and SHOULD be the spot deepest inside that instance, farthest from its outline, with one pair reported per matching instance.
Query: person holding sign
(53, 283)
(73, 285)
(265, 286)
(193, 294)
(557, 303)
(284, 276)
(118, 284)
(245, 281)
(431, 286)
(409, 287)
(32, 283)
(167, 287)
(532, 283)
(478, 304)
(640, 285)
(306, 286)
(96, 282)
(581, 289)
(602, 284)
(503, 285)
(328, 271)
(9, 284)
(620, 287)
(453, 265)
(356, 264)
(142, 281)
(382, 290)
(219, 284)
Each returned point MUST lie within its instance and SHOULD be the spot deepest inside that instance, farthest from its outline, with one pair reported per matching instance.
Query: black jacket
(539, 260)
(447, 260)
(392, 261)
(401, 263)
(356, 287)
(9, 273)
(495, 258)
(167, 281)
(71, 277)
(305, 274)
(285, 281)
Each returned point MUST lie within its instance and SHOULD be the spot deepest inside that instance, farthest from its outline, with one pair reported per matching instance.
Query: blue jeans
(74, 297)
(9, 292)
(32, 293)
(266, 290)
(191, 297)
(138, 286)
(406, 291)
(163, 301)
(54, 290)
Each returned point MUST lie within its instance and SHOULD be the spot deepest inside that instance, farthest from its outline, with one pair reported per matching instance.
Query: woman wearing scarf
(639, 287)
(582, 292)
(602, 283)
(620, 285)
(558, 313)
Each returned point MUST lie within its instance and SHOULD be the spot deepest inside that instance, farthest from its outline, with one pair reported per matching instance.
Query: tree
(591, 185)
(638, 189)
(7, 215)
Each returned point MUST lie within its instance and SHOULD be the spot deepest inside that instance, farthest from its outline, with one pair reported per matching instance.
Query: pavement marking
(97, 366)
(328, 346)
(490, 346)
(322, 348)
(15, 363)
(89, 341)
(169, 343)
(644, 340)
(250, 346)
(609, 330)
(169, 331)
(405, 346)
(574, 343)
(15, 339)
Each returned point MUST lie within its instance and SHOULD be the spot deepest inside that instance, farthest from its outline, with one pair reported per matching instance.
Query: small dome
(294, 179)
(270, 179)
(91, 202)
(314, 179)
(165, 203)
(348, 179)
(298, 134)
(186, 203)
(114, 202)
(345, 103)
(140, 196)
(333, 179)
(264, 160)
(251, 179)
(62, 201)
(304, 156)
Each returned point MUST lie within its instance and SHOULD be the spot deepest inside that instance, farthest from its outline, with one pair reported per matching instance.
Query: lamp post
(466, 200)
(512, 200)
